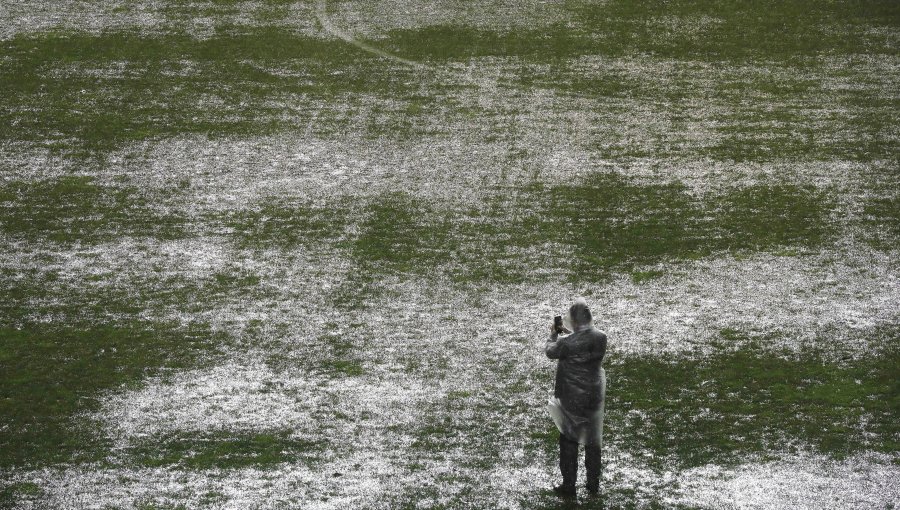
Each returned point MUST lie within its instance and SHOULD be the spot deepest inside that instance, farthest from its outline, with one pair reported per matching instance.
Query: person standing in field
(578, 398)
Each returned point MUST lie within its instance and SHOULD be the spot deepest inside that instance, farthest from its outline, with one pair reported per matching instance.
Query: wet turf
(606, 223)
(673, 86)
(54, 373)
(224, 450)
(78, 210)
(687, 411)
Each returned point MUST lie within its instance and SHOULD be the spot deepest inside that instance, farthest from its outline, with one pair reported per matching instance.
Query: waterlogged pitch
(282, 254)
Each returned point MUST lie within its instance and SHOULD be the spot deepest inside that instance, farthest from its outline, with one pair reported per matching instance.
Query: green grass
(230, 84)
(741, 29)
(36, 295)
(738, 30)
(611, 224)
(881, 216)
(764, 216)
(224, 92)
(53, 373)
(152, 504)
(95, 341)
(77, 210)
(733, 404)
(643, 276)
(402, 233)
(225, 450)
(679, 412)
(398, 234)
(764, 82)
(19, 493)
(590, 229)
(485, 423)
(764, 112)
(342, 358)
(285, 226)
(337, 355)
(603, 224)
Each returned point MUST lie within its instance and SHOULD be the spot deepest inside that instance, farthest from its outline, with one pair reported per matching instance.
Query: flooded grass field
(304, 254)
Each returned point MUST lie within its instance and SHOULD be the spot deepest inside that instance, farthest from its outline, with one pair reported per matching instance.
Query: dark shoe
(565, 491)
(593, 488)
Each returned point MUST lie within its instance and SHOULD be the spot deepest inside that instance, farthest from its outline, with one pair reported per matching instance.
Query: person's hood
(579, 316)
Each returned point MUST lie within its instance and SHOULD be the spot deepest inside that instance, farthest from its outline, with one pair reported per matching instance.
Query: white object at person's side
(567, 425)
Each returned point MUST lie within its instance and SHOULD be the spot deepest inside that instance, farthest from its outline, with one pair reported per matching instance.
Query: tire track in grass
(322, 16)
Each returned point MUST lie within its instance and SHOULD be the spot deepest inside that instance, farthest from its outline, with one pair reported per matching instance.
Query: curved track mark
(326, 24)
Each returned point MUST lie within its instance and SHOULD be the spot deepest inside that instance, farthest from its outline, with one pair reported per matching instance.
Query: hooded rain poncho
(577, 405)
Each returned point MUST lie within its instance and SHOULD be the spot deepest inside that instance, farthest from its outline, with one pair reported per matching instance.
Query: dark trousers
(568, 462)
